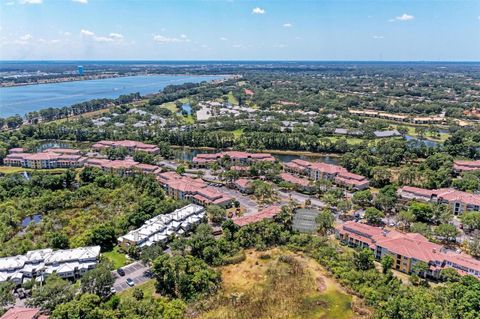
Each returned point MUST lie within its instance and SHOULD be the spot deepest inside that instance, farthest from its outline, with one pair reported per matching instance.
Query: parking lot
(250, 205)
(135, 271)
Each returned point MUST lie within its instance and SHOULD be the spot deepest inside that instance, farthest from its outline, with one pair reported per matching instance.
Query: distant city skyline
(328, 30)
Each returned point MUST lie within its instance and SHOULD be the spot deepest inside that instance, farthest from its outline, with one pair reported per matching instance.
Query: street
(135, 271)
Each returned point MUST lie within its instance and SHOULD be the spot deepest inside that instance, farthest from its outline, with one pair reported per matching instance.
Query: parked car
(113, 291)
(121, 272)
(148, 273)
(130, 282)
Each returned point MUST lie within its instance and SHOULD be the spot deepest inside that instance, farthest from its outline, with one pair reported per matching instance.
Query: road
(249, 205)
(135, 271)
(300, 198)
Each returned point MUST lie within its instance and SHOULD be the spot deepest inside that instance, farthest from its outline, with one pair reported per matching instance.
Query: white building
(38, 264)
(161, 227)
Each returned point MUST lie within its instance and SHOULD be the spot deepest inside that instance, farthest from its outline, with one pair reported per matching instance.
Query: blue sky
(240, 29)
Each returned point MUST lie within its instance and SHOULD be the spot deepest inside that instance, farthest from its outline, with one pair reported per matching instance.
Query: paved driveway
(246, 202)
(135, 271)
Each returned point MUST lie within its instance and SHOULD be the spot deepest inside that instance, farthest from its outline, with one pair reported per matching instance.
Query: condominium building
(38, 264)
(50, 158)
(193, 189)
(235, 158)
(267, 213)
(317, 171)
(435, 119)
(406, 249)
(458, 200)
(132, 146)
(463, 166)
(160, 228)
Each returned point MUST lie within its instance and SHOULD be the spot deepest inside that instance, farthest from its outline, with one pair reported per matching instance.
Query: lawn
(231, 99)
(117, 258)
(170, 106)
(148, 288)
(278, 284)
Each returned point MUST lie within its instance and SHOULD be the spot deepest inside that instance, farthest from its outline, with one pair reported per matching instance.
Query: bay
(23, 99)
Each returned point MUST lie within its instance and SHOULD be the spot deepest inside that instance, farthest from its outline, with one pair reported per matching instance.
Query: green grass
(117, 258)
(337, 305)
(170, 106)
(231, 99)
(147, 287)
(238, 132)
(14, 170)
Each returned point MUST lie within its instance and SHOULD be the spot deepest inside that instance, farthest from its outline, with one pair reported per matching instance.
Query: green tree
(180, 169)
(446, 232)
(59, 241)
(185, 277)
(102, 235)
(216, 214)
(470, 221)
(55, 291)
(325, 221)
(420, 268)
(387, 263)
(373, 215)
(406, 217)
(450, 275)
(363, 259)
(98, 281)
(423, 212)
(362, 198)
(6, 296)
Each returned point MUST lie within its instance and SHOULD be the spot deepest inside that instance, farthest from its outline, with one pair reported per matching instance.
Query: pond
(187, 108)
(35, 219)
(428, 143)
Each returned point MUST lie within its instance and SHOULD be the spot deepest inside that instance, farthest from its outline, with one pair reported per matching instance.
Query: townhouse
(161, 228)
(337, 174)
(48, 159)
(302, 183)
(132, 146)
(234, 158)
(243, 185)
(458, 200)
(24, 313)
(406, 249)
(38, 264)
(193, 189)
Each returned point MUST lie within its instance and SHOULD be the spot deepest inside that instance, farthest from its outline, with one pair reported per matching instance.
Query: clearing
(277, 284)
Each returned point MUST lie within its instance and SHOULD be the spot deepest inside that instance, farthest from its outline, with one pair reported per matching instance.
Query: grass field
(117, 258)
(231, 99)
(147, 287)
(170, 106)
(13, 170)
(278, 284)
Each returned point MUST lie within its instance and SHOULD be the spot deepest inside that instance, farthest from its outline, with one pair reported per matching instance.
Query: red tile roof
(447, 194)
(295, 180)
(242, 182)
(21, 313)
(268, 212)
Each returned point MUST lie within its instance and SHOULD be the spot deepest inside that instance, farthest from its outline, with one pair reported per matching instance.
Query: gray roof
(387, 133)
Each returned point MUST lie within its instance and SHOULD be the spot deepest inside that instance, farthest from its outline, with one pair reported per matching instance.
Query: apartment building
(317, 171)
(436, 119)
(132, 146)
(161, 228)
(267, 213)
(193, 189)
(38, 264)
(458, 200)
(48, 159)
(235, 158)
(406, 249)
(464, 166)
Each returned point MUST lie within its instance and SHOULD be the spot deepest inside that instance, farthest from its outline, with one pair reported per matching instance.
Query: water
(31, 219)
(427, 143)
(24, 99)
(187, 154)
(187, 108)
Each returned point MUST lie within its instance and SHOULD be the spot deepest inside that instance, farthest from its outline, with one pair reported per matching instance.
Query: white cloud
(378, 37)
(81, 1)
(31, 1)
(164, 39)
(405, 17)
(67, 34)
(258, 10)
(26, 37)
(112, 37)
(280, 45)
(223, 39)
(10, 3)
(287, 25)
(87, 33)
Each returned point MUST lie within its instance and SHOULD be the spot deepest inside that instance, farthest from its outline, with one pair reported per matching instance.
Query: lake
(24, 99)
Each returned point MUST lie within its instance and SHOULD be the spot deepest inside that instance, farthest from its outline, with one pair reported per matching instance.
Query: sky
(380, 30)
